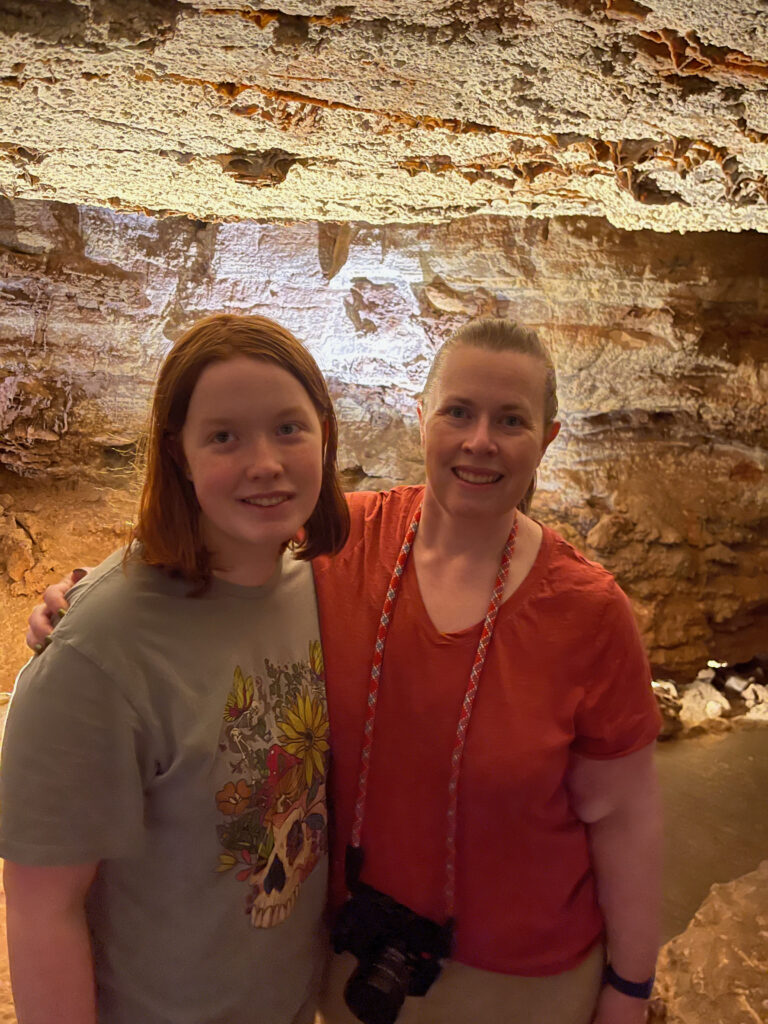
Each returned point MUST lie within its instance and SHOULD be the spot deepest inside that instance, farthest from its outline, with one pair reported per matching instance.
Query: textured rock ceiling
(652, 114)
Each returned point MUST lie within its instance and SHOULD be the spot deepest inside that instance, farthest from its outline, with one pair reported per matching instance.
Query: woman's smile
(476, 476)
(482, 429)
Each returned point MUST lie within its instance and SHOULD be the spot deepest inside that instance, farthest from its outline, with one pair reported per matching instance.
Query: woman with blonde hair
(493, 726)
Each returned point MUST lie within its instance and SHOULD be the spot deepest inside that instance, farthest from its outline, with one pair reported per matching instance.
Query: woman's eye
(512, 421)
(456, 412)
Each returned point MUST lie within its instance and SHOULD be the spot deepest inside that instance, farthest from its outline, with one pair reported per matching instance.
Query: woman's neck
(442, 535)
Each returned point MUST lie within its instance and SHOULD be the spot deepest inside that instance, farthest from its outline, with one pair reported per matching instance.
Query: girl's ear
(326, 433)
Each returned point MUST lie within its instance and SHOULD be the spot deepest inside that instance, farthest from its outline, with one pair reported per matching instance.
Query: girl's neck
(442, 535)
(253, 571)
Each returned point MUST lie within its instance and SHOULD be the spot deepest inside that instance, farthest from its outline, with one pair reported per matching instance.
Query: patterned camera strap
(466, 707)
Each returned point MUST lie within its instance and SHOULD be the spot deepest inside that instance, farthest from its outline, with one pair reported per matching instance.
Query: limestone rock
(700, 702)
(651, 114)
(658, 473)
(716, 972)
(15, 549)
(754, 695)
(670, 706)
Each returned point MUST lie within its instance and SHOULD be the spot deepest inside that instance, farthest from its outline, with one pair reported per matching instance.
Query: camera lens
(376, 990)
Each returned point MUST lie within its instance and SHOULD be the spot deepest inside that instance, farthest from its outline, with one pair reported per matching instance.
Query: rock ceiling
(652, 114)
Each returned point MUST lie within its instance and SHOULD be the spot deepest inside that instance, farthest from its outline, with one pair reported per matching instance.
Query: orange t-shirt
(566, 672)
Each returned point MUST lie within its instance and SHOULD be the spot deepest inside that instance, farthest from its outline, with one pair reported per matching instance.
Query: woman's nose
(479, 437)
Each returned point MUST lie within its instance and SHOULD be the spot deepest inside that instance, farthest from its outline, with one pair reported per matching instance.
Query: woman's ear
(550, 433)
(554, 430)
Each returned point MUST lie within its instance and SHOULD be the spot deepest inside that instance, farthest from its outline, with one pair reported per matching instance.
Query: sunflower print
(305, 734)
(240, 696)
(316, 657)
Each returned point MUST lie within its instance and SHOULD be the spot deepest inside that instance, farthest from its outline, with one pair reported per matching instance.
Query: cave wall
(661, 343)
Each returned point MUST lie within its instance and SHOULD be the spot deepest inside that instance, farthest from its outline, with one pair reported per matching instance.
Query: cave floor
(716, 825)
(715, 815)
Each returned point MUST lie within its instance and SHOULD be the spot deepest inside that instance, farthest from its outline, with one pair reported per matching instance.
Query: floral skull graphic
(273, 804)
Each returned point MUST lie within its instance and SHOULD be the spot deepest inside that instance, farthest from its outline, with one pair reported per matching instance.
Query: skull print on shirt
(274, 738)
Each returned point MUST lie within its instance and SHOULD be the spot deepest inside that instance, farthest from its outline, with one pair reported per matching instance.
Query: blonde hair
(498, 335)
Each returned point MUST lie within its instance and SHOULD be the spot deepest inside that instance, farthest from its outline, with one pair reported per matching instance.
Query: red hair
(168, 523)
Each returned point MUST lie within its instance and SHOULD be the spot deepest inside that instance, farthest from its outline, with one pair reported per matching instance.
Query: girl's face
(253, 444)
(483, 431)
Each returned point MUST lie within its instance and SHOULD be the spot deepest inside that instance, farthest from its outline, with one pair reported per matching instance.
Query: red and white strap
(466, 708)
(373, 686)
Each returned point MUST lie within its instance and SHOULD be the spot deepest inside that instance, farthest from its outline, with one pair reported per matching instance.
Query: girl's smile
(252, 441)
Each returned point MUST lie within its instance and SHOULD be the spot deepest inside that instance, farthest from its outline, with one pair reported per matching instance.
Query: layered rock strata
(660, 343)
(653, 114)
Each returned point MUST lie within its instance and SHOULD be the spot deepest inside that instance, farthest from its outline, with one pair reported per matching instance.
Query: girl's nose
(262, 459)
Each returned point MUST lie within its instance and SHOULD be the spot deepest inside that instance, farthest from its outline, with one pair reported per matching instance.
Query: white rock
(705, 675)
(701, 702)
(755, 694)
(737, 683)
(665, 686)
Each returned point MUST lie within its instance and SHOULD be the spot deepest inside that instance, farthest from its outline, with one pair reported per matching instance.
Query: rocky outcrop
(653, 114)
(660, 342)
(719, 696)
(717, 970)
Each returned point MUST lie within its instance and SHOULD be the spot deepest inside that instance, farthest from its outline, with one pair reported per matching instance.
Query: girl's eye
(288, 429)
(222, 437)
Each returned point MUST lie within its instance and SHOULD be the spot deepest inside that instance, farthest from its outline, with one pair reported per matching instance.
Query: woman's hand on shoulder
(614, 1007)
(44, 617)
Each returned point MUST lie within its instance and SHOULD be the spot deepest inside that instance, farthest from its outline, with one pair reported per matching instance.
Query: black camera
(400, 953)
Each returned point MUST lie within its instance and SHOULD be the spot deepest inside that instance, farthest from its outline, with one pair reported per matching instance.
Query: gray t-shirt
(183, 743)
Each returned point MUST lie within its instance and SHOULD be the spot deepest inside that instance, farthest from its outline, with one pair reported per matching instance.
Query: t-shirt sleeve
(617, 713)
(71, 788)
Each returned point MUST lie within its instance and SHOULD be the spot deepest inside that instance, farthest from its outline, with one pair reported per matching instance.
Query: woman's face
(483, 431)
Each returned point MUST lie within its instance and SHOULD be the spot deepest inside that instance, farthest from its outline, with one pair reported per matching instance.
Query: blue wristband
(636, 989)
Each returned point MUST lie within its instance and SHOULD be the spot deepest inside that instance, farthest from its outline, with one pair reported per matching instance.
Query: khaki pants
(466, 995)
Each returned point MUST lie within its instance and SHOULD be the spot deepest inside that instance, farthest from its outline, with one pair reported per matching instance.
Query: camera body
(400, 952)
